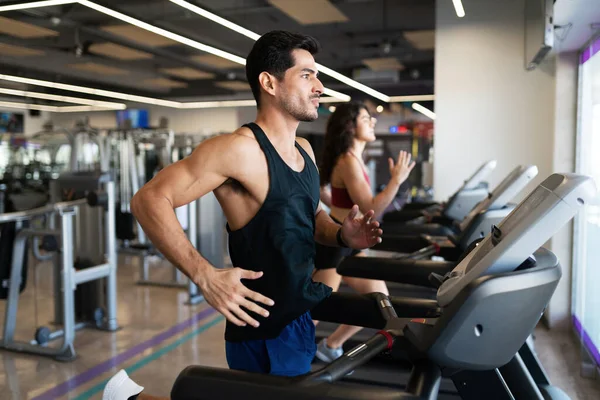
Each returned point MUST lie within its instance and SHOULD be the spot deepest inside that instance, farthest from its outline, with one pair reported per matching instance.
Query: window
(586, 257)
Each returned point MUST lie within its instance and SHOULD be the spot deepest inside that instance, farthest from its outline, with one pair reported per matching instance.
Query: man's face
(300, 88)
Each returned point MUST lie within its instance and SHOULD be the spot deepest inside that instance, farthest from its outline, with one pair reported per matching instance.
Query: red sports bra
(340, 197)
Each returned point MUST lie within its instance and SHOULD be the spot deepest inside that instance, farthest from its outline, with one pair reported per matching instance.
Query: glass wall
(586, 257)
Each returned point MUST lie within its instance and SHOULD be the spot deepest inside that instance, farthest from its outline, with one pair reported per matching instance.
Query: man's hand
(360, 233)
(224, 291)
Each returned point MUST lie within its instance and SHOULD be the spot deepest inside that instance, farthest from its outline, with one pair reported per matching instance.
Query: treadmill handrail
(364, 309)
(506, 190)
(408, 271)
(479, 175)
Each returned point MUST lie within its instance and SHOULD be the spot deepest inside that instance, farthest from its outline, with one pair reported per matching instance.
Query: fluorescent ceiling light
(80, 109)
(182, 39)
(255, 36)
(193, 43)
(27, 106)
(425, 111)
(244, 103)
(418, 97)
(333, 93)
(124, 96)
(97, 92)
(35, 4)
(353, 83)
(331, 100)
(215, 18)
(460, 11)
(163, 32)
(66, 99)
(218, 104)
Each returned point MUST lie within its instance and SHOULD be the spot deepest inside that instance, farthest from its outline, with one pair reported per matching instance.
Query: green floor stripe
(149, 358)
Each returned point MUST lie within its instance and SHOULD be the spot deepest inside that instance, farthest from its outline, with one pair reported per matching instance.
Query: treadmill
(488, 306)
(472, 191)
(516, 180)
(407, 252)
(412, 275)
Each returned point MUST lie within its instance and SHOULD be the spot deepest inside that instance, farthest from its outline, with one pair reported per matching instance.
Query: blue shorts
(289, 354)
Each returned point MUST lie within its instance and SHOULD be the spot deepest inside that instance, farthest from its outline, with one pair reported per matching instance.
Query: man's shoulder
(240, 142)
(243, 132)
(306, 146)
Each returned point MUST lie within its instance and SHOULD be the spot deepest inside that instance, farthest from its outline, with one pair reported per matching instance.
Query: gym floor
(160, 335)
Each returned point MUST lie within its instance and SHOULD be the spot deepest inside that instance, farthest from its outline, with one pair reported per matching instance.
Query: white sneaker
(326, 353)
(121, 387)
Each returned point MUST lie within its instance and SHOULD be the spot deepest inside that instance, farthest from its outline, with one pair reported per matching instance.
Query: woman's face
(365, 126)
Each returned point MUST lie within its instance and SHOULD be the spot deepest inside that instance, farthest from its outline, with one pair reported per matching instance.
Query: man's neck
(279, 127)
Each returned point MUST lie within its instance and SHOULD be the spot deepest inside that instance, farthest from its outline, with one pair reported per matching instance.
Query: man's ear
(268, 82)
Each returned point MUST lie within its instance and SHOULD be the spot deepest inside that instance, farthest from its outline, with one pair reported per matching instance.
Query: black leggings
(330, 257)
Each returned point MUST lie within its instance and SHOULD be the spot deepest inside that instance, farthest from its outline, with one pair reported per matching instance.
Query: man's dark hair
(272, 53)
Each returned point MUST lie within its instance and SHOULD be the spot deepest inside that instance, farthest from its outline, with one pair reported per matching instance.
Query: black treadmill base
(390, 374)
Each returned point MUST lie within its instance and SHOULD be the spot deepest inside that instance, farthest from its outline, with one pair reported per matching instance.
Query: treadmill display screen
(586, 257)
(511, 260)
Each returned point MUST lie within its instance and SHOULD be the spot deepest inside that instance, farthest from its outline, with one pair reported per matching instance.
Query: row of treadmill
(469, 280)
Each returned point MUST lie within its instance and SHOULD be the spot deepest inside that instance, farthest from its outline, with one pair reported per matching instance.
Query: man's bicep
(192, 177)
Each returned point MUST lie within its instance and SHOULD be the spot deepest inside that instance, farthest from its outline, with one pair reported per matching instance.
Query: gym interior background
(455, 83)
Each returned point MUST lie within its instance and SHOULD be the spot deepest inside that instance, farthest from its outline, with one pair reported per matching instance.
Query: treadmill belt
(390, 375)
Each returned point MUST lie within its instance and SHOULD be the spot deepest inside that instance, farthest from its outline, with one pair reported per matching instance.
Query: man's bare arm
(326, 229)
(326, 195)
(174, 186)
(179, 184)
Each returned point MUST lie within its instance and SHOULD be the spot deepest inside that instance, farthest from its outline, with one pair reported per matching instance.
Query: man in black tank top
(268, 186)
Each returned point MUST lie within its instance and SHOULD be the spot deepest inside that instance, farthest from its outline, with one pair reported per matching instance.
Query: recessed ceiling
(422, 40)
(308, 12)
(383, 64)
(18, 51)
(215, 61)
(125, 56)
(98, 69)
(188, 73)
(165, 83)
(24, 30)
(113, 50)
(139, 35)
(234, 85)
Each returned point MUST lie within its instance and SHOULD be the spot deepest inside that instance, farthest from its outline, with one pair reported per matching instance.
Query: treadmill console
(535, 220)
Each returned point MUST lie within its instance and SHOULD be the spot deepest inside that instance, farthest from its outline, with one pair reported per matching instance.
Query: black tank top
(279, 240)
